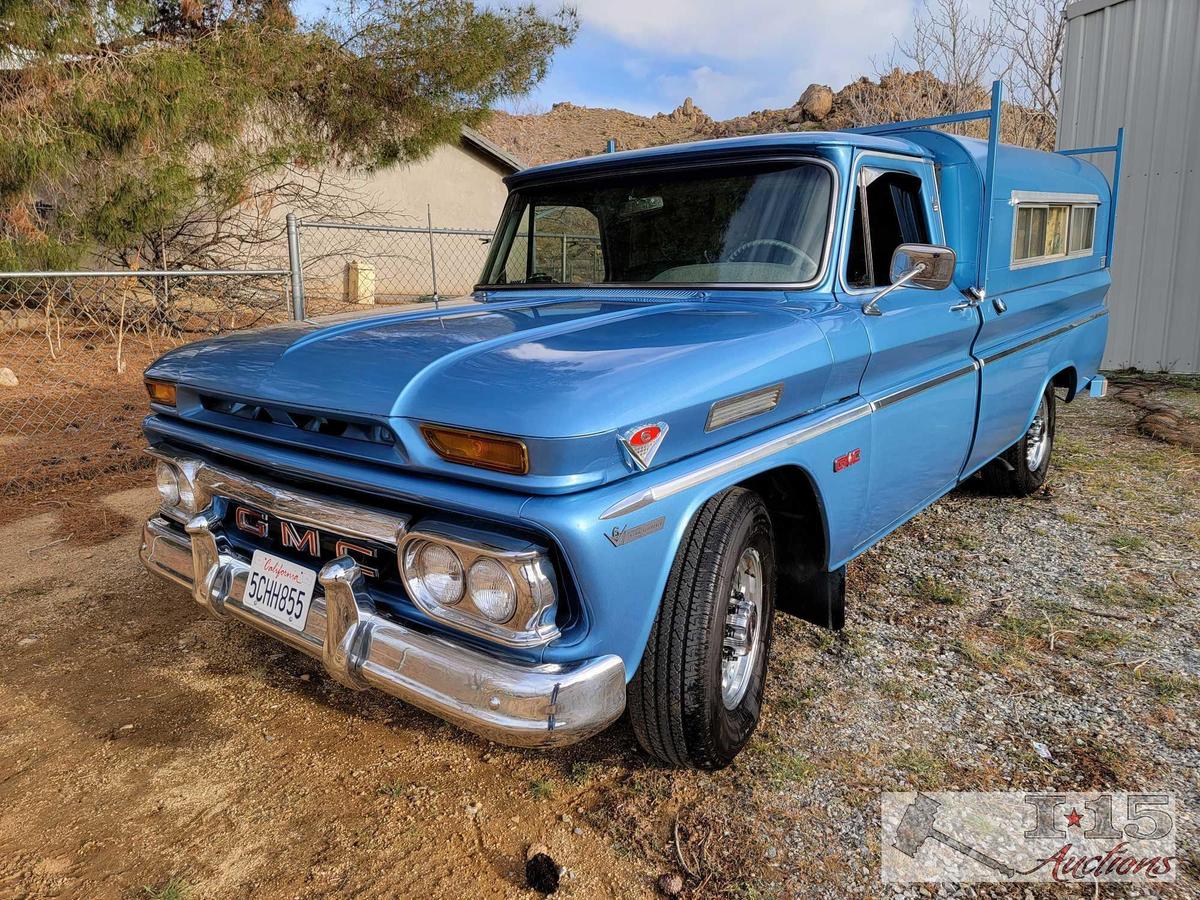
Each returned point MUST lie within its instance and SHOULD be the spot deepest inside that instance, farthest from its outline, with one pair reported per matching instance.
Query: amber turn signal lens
(473, 448)
(161, 392)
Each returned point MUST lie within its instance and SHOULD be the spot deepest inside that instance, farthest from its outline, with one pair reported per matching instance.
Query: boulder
(690, 113)
(816, 101)
(8, 378)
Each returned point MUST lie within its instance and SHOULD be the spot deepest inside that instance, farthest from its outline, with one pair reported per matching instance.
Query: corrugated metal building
(1136, 63)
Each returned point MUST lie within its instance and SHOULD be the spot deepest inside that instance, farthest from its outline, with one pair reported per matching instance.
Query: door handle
(970, 301)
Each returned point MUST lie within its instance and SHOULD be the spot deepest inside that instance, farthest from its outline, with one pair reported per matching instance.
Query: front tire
(1021, 469)
(696, 696)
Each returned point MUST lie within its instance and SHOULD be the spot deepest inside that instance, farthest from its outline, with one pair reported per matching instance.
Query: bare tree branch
(944, 65)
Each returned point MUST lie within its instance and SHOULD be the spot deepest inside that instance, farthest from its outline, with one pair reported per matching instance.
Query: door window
(888, 211)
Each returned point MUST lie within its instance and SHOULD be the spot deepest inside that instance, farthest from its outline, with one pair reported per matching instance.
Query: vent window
(888, 211)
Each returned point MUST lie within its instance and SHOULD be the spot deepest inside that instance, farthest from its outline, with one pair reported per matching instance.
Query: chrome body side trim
(657, 492)
(1025, 345)
(654, 493)
(904, 393)
(522, 704)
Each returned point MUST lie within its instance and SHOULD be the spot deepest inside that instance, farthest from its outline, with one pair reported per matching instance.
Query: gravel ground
(145, 746)
(1068, 619)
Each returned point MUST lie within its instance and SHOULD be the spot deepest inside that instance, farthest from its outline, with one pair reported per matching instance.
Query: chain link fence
(351, 266)
(73, 346)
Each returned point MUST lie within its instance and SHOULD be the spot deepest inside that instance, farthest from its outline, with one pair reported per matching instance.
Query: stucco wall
(463, 190)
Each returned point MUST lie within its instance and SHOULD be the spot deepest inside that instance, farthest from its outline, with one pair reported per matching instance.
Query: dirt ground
(147, 750)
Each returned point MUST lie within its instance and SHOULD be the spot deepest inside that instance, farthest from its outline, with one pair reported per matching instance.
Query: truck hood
(566, 371)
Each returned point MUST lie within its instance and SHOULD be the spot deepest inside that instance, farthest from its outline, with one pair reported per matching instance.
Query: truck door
(921, 376)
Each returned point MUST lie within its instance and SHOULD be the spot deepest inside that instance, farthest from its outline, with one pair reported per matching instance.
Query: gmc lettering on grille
(302, 539)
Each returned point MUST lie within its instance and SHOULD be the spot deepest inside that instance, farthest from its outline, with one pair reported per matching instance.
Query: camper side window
(1046, 232)
(889, 212)
(1083, 229)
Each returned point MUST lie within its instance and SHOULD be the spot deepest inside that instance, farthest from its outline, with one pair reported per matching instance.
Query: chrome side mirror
(926, 266)
(938, 262)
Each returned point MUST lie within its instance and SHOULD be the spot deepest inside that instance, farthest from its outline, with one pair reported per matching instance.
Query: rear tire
(1021, 469)
(696, 696)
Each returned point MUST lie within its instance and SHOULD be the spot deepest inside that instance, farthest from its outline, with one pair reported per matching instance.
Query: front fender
(621, 560)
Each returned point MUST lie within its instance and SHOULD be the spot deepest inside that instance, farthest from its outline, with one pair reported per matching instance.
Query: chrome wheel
(1037, 438)
(742, 644)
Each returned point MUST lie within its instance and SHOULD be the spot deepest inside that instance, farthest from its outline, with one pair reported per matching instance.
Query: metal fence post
(432, 255)
(293, 238)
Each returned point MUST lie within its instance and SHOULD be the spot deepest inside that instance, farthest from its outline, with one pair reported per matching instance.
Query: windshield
(762, 223)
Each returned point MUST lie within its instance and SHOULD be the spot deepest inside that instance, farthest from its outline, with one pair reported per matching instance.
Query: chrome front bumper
(526, 705)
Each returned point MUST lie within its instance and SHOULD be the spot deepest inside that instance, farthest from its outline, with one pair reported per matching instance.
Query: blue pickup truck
(562, 497)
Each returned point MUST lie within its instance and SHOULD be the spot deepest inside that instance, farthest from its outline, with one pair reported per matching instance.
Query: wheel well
(1068, 379)
(805, 588)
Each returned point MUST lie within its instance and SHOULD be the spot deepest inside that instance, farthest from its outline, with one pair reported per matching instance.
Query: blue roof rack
(1118, 149)
(992, 115)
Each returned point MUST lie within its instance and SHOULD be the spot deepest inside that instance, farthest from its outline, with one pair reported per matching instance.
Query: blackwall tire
(696, 696)
(1021, 469)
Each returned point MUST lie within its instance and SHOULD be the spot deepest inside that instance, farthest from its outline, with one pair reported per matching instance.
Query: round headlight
(168, 484)
(440, 573)
(187, 494)
(492, 590)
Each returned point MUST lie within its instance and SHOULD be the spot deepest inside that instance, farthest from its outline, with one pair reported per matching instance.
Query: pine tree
(120, 118)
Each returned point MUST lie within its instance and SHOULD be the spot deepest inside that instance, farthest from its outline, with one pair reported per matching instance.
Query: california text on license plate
(279, 589)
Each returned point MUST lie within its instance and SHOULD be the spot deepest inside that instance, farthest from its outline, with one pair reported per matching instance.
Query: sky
(645, 56)
(730, 57)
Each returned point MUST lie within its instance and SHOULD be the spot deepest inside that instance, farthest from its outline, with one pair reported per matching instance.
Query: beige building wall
(462, 189)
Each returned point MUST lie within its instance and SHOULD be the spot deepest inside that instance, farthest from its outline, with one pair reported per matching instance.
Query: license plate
(279, 589)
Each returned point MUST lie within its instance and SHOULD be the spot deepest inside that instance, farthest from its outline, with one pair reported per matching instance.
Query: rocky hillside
(568, 131)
